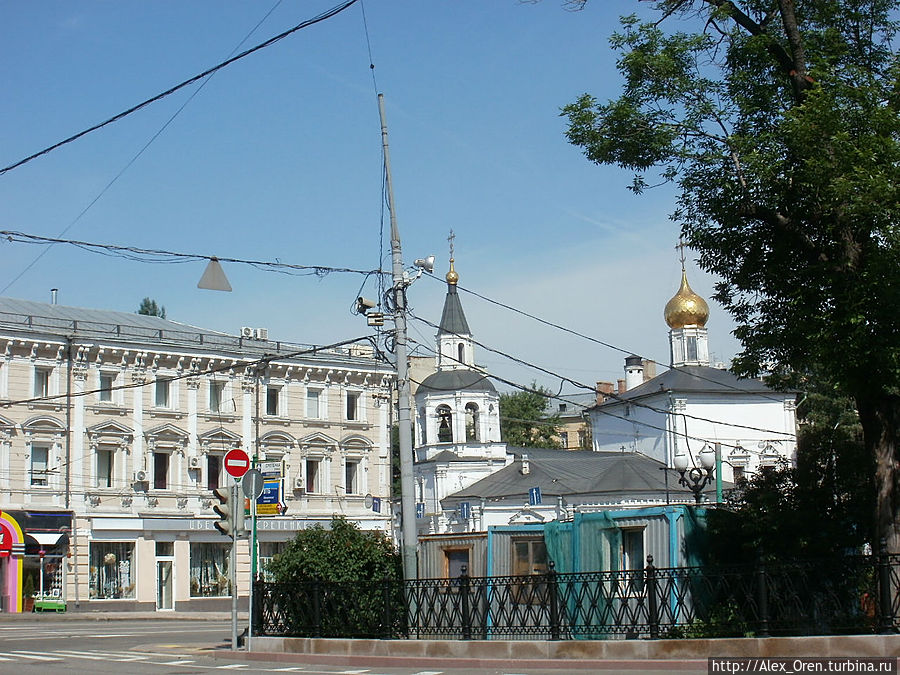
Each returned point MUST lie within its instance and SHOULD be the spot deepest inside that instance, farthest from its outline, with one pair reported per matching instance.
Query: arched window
(445, 424)
(461, 352)
(472, 422)
(422, 426)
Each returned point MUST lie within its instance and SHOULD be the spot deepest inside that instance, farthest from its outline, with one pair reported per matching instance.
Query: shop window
(351, 476)
(40, 456)
(445, 424)
(216, 396)
(267, 551)
(209, 570)
(312, 475)
(160, 470)
(313, 411)
(111, 570)
(161, 399)
(42, 382)
(213, 471)
(106, 463)
(273, 396)
(352, 405)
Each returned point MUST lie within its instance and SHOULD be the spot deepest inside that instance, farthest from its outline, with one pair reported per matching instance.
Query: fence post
(762, 596)
(652, 598)
(317, 607)
(554, 601)
(466, 612)
(256, 628)
(885, 613)
(387, 618)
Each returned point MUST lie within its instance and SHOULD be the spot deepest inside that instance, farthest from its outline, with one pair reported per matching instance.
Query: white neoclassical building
(113, 429)
(692, 405)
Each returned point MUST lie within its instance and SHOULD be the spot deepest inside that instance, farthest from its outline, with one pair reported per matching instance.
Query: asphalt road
(148, 646)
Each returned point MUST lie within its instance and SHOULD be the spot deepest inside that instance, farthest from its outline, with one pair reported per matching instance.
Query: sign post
(237, 463)
(252, 485)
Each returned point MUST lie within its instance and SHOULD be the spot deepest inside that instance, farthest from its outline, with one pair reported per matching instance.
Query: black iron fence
(851, 595)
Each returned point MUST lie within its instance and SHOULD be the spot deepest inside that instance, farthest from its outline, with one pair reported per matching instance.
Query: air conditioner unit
(194, 462)
(261, 333)
(299, 484)
(140, 476)
(246, 332)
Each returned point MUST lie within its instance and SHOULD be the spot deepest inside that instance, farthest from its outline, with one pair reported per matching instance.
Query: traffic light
(225, 511)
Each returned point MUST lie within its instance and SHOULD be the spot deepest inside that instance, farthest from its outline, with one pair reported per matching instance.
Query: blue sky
(278, 157)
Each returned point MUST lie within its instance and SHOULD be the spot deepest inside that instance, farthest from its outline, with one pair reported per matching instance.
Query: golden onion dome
(452, 276)
(686, 308)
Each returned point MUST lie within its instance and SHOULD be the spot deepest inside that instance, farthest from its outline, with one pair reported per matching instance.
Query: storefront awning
(45, 538)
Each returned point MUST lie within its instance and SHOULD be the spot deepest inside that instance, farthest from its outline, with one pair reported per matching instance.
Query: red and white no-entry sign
(237, 462)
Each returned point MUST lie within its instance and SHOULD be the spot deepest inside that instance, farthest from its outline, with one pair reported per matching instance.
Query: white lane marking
(175, 663)
(232, 666)
(4, 658)
(37, 656)
(118, 656)
(292, 669)
(430, 672)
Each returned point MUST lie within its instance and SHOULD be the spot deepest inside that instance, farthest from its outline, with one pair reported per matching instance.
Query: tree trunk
(880, 418)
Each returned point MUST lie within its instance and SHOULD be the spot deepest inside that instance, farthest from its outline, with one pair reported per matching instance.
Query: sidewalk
(96, 615)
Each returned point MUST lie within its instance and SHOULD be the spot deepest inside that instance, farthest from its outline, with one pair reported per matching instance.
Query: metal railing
(852, 595)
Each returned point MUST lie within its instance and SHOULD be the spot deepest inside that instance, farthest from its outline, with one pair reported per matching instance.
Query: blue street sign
(376, 504)
(465, 510)
(534, 496)
(420, 510)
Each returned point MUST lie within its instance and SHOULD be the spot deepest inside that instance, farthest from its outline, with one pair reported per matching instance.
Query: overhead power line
(159, 256)
(115, 118)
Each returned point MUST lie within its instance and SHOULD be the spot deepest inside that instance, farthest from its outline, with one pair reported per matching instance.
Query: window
(312, 403)
(216, 396)
(529, 557)
(564, 439)
(454, 560)
(472, 422)
(40, 455)
(460, 353)
(105, 466)
(583, 440)
(160, 470)
(691, 348)
(209, 570)
(272, 396)
(445, 424)
(213, 471)
(111, 570)
(312, 475)
(107, 382)
(738, 473)
(162, 394)
(351, 476)
(165, 549)
(352, 405)
(633, 549)
(563, 407)
(42, 382)
(267, 551)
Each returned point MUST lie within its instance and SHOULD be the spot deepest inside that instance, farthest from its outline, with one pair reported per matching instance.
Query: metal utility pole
(407, 498)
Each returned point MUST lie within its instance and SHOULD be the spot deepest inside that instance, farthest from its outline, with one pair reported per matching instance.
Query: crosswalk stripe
(179, 662)
(37, 656)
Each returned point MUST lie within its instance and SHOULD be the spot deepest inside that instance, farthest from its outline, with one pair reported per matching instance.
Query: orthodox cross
(680, 246)
(450, 239)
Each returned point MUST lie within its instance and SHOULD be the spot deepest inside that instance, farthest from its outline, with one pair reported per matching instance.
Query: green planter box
(50, 605)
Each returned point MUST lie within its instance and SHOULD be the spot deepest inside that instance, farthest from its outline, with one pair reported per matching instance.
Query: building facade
(113, 430)
(693, 405)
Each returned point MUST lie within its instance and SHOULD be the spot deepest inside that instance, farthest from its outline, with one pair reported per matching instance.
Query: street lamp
(695, 478)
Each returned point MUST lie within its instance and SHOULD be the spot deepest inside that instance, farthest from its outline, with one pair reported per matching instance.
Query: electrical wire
(115, 118)
(135, 157)
(598, 341)
(158, 256)
(590, 388)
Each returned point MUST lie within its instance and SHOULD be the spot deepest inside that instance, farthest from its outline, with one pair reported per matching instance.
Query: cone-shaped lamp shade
(213, 278)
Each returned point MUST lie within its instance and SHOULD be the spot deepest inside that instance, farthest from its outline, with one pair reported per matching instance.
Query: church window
(461, 352)
(445, 424)
(471, 422)
(422, 425)
(692, 348)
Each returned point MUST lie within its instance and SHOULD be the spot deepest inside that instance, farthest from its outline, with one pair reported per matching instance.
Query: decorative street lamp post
(695, 478)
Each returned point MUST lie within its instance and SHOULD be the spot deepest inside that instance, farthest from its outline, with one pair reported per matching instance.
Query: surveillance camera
(426, 264)
(364, 304)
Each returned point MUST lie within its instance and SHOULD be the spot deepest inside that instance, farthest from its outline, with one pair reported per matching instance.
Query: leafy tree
(778, 121)
(150, 308)
(342, 553)
(524, 421)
